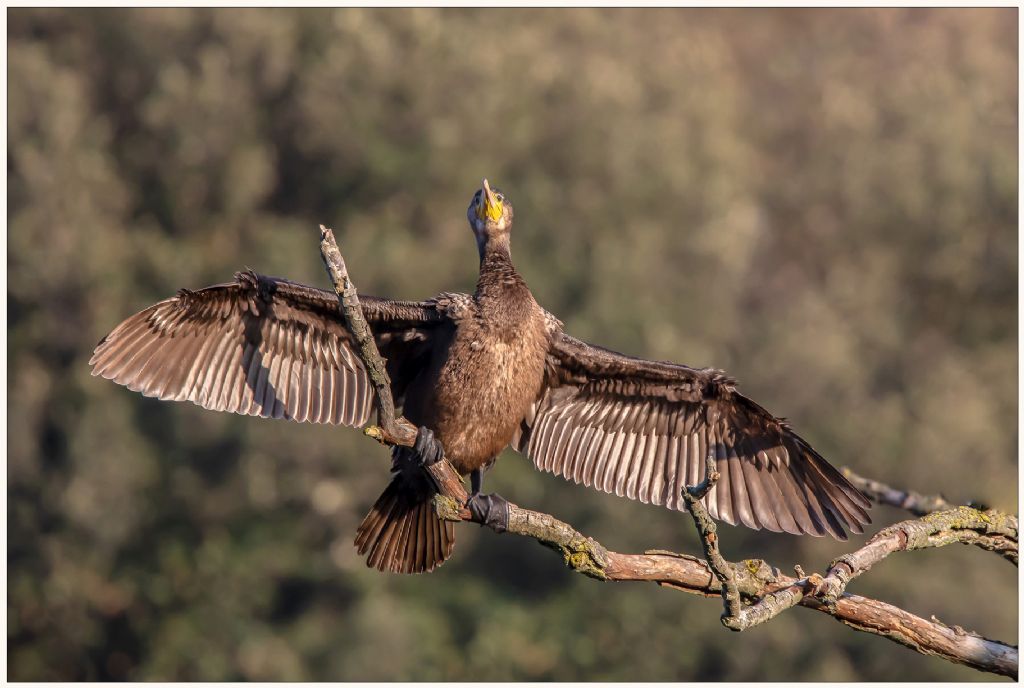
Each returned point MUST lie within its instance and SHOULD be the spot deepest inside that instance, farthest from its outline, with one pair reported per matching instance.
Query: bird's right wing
(263, 346)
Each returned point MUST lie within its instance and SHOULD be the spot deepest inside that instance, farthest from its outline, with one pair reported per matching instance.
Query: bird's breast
(491, 373)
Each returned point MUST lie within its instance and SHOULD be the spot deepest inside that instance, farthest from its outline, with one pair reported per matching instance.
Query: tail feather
(402, 533)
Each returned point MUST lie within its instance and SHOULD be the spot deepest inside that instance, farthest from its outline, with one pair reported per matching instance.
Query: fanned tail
(402, 533)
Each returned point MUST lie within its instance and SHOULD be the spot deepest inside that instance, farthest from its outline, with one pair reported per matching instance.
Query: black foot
(490, 510)
(427, 448)
(426, 452)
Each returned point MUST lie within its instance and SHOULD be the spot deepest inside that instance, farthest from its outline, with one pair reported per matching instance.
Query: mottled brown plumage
(483, 372)
(484, 378)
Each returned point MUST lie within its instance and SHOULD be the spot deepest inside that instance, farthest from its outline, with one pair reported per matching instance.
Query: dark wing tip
(817, 495)
(839, 501)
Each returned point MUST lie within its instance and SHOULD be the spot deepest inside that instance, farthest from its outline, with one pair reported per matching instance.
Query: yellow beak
(490, 206)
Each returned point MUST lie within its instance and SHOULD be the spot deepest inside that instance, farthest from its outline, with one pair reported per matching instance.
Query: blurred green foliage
(823, 203)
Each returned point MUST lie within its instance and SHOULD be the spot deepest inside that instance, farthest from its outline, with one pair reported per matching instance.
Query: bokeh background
(823, 203)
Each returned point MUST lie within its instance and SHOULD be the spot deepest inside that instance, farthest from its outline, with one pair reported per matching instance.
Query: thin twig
(914, 502)
(391, 430)
(735, 617)
(708, 532)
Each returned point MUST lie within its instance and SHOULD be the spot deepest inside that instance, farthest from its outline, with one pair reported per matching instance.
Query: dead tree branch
(765, 588)
(1002, 539)
(962, 524)
(708, 532)
(391, 430)
(736, 617)
(914, 502)
(752, 590)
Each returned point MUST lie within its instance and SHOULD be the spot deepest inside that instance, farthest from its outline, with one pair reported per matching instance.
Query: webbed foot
(426, 452)
(427, 447)
(490, 510)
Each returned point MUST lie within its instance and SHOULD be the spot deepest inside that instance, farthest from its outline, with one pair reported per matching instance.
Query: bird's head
(490, 215)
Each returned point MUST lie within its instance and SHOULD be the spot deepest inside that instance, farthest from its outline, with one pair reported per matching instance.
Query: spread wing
(263, 346)
(642, 429)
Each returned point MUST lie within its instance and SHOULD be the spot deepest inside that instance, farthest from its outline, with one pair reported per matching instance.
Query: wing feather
(266, 347)
(642, 429)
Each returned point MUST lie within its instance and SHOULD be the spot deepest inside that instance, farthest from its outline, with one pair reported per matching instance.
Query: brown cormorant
(477, 374)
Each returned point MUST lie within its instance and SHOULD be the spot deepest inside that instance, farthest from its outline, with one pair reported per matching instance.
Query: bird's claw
(428, 449)
(425, 452)
(490, 510)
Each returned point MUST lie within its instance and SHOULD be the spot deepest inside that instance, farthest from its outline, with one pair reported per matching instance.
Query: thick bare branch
(757, 581)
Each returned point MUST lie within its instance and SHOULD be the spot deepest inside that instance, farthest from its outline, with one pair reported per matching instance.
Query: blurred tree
(822, 202)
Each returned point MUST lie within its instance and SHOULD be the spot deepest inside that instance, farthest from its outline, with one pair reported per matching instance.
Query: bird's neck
(497, 274)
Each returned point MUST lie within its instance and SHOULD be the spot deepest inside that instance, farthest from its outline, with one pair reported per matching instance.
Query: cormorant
(477, 374)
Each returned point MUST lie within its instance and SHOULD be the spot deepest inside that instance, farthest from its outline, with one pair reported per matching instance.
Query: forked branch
(736, 617)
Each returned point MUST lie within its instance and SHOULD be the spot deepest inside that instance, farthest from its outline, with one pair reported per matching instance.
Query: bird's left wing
(264, 346)
(642, 429)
